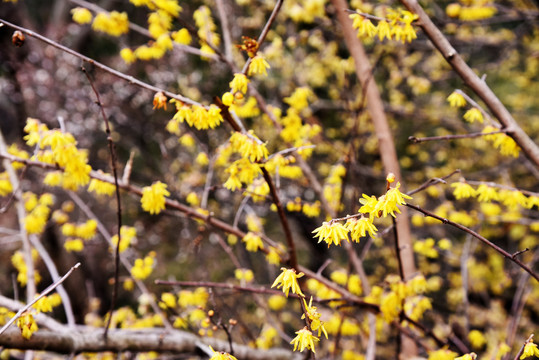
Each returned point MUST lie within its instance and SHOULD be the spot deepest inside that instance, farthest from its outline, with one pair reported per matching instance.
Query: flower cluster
(505, 144)
(206, 29)
(38, 211)
(19, 262)
(397, 25)
(59, 148)
(113, 23)
(153, 197)
(333, 232)
(76, 233)
(197, 116)
(142, 268)
(249, 146)
(472, 10)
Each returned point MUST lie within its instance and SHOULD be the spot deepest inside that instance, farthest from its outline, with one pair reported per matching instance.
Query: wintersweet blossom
(360, 227)
(258, 65)
(221, 355)
(331, 233)
(81, 15)
(304, 340)
(530, 349)
(470, 356)
(239, 83)
(27, 324)
(463, 190)
(288, 280)
(153, 197)
(252, 242)
(456, 99)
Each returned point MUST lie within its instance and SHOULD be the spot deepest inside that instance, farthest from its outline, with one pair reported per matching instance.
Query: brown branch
(119, 74)
(416, 140)
(432, 182)
(476, 235)
(284, 221)
(43, 294)
(480, 87)
(113, 160)
(119, 340)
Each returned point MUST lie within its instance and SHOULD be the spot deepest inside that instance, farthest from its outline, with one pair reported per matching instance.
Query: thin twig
(284, 221)
(432, 182)
(43, 294)
(119, 74)
(264, 32)
(416, 140)
(21, 216)
(476, 235)
(521, 351)
(113, 160)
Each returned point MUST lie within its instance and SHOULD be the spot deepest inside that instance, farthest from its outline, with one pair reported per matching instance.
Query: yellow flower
(360, 227)
(486, 193)
(258, 65)
(159, 101)
(463, 190)
(220, 355)
(304, 340)
(128, 55)
(113, 23)
(276, 302)
(456, 99)
(81, 15)
(331, 233)
(288, 279)
(75, 245)
(470, 356)
(239, 83)
(476, 338)
(153, 197)
(228, 98)
(168, 299)
(142, 268)
(101, 187)
(181, 36)
(252, 242)
(27, 324)
(388, 203)
(383, 30)
(314, 317)
(369, 204)
(363, 25)
(5, 185)
(249, 146)
(244, 275)
(473, 114)
(530, 349)
(298, 99)
(127, 233)
(442, 354)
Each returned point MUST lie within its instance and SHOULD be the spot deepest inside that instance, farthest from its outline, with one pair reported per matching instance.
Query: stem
(129, 79)
(284, 221)
(113, 160)
(476, 235)
(43, 294)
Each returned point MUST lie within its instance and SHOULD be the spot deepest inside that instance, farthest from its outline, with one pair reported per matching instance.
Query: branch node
(519, 252)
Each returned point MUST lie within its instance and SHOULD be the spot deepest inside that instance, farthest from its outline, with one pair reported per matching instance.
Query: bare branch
(43, 294)
(476, 235)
